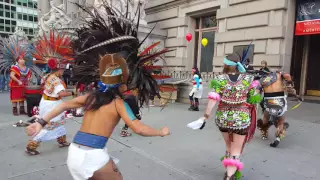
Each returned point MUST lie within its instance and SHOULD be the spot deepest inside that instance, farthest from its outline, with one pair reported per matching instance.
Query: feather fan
(12, 48)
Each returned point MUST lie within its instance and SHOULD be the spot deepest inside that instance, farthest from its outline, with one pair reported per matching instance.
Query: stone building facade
(268, 24)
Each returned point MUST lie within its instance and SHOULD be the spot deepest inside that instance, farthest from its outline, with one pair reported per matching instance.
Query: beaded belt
(90, 140)
(45, 97)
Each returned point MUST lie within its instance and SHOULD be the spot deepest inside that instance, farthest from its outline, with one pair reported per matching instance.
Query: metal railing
(206, 76)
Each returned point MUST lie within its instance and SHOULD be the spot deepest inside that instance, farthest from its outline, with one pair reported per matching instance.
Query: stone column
(57, 2)
(43, 7)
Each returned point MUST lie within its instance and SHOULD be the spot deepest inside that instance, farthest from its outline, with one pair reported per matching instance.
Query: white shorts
(196, 93)
(83, 161)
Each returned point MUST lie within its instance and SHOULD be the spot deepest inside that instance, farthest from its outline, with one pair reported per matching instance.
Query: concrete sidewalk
(183, 155)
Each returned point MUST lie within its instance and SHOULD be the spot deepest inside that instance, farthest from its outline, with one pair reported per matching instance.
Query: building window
(8, 29)
(1, 6)
(14, 22)
(30, 18)
(8, 14)
(25, 30)
(30, 4)
(2, 22)
(1, 28)
(7, 22)
(205, 28)
(31, 31)
(20, 16)
(7, 7)
(7, 1)
(13, 28)
(35, 19)
(1, 13)
(13, 15)
(13, 8)
(25, 17)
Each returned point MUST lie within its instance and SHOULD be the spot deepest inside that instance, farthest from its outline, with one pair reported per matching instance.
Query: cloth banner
(308, 17)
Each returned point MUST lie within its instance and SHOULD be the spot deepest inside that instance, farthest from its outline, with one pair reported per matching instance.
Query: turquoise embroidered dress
(234, 108)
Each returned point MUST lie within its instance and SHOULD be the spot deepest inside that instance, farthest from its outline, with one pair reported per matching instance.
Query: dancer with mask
(55, 52)
(236, 95)
(113, 50)
(197, 89)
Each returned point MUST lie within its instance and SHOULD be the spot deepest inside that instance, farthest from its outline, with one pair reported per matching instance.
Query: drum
(33, 95)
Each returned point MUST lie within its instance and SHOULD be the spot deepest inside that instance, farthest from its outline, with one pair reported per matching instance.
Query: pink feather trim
(214, 96)
(254, 84)
(233, 162)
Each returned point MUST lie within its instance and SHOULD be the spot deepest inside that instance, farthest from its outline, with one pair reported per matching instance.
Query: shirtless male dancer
(107, 51)
(274, 85)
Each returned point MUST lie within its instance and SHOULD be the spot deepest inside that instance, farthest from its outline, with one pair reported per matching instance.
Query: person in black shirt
(247, 65)
(2, 80)
(67, 74)
(131, 99)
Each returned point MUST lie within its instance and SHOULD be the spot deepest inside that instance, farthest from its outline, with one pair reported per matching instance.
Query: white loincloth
(83, 161)
(45, 134)
(196, 93)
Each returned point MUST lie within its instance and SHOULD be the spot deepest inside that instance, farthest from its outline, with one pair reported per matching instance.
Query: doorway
(305, 64)
(313, 83)
(206, 26)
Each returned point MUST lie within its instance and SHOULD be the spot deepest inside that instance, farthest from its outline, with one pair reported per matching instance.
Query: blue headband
(238, 64)
(104, 87)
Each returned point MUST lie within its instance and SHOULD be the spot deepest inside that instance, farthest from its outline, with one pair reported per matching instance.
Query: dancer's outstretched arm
(210, 106)
(133, 123)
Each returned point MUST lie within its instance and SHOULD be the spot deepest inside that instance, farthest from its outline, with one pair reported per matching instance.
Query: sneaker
(124, 133)
(191, 108)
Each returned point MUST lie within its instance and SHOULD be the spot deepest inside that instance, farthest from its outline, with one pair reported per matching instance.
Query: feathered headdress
(56, 51)
(13, 50)
(107, 50)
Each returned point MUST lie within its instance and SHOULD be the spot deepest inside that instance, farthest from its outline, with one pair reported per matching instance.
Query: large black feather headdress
(105, 35)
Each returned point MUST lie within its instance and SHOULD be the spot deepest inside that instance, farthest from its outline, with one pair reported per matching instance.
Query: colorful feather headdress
(107, 51)
(12, 50)
(56, 51)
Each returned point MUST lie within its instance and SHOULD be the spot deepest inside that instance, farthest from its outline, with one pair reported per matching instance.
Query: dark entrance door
(313, 71)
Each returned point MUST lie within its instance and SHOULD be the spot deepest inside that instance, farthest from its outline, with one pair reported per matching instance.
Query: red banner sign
(308, 17)
(308, 27)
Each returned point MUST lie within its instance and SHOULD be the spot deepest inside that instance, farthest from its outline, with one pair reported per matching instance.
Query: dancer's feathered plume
(56, 51)
(109, 32)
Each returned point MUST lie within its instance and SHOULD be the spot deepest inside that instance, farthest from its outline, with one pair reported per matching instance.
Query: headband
(103, 87)
(238, 64)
